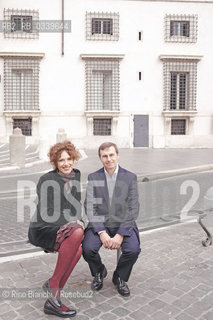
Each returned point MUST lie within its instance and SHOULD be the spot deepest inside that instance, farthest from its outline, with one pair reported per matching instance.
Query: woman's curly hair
(56, 151)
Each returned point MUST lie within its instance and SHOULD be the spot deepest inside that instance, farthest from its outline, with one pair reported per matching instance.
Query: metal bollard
(17, 148)
(43, 148)
(61, 135)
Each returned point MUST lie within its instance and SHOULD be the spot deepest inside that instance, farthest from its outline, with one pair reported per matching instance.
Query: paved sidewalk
(172, 279)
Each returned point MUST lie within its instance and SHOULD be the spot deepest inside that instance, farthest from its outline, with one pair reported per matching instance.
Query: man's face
(109, 158)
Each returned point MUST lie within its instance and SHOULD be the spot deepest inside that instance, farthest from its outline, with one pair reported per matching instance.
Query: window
(179, 90)
(178, 126)
(22, 93)
(180, 82)
(102, 93)
(102, 127)
(102, 26)
(24, 124)
(19, 23)
(102, 84)
(21, 83)
(181, 28)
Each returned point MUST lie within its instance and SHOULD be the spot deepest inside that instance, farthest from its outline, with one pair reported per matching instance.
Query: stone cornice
(22, 54)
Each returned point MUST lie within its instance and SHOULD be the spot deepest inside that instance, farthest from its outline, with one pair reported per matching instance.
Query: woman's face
(65, 163)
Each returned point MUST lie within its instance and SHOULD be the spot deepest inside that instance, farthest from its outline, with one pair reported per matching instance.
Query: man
(112, 207)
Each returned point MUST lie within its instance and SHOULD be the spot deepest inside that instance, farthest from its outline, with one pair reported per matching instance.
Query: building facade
(138, 73)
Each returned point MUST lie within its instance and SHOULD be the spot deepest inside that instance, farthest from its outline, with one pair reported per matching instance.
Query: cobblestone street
(172, 279)
(173, 276)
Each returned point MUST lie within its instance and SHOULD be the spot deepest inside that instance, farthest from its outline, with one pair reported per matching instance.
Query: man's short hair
(107, 145)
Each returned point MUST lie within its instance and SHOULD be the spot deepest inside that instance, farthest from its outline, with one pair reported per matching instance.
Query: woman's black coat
(55, 208)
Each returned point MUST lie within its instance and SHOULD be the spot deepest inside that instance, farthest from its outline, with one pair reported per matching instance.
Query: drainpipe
(62, 32)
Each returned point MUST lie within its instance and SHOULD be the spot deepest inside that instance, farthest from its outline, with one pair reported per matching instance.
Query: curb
(170, 173)
(36, 251)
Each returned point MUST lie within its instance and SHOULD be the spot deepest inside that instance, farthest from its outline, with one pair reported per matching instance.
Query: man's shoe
(121, 285)
(97, 283)
(46, 288)
(50, 308)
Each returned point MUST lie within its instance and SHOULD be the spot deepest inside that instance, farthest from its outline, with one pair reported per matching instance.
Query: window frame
(101, 18)
(173, 129)
(181, 95)
(180, 64)
(25, 131)
(21, 83)
(98, 124)
(101, 27)
(24, 84)
(190, 19)
(23, 26)
(20, 30)
(175, 25)
(102, 84)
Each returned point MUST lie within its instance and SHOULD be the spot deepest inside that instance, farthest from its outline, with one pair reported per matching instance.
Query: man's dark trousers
(130, 250)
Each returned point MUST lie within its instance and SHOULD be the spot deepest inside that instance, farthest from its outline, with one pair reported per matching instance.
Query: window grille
(102, 26)
(181, 28)
(180, 84)
(102, 84)
(179, 90)
(102, 127)
(24, 124)
(178, 126)
(21, 83)
(19, 23)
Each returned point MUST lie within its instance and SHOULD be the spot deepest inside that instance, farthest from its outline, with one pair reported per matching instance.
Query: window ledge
(164, 57)
(179, 113)
(102, 113)
(101, 56)
(22, 54)
(22, 113)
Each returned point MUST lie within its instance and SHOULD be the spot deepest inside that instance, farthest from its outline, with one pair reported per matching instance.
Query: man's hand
(105, 239)
(117, 241)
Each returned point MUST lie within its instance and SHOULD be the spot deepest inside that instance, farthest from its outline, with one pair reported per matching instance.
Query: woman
(55, 225)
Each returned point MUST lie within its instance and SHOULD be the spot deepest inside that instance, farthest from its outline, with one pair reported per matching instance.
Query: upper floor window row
(99, 26)
(102, 26)
(19, 23)
(181, 28)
